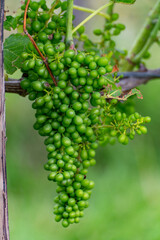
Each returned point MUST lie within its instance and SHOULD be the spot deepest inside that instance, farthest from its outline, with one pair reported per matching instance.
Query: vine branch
(150, 41)
(144, 40)
(35, 45)
(127, 82)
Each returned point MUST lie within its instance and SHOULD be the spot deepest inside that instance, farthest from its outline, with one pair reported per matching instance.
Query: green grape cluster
(74, 116)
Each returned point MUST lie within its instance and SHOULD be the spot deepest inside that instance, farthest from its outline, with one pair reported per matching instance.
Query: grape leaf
(132, 92)
(125, 1)
(10, 23)
(14, 45)
(116, 94)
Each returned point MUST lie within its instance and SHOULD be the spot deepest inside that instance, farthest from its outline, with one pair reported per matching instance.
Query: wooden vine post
(4, 227)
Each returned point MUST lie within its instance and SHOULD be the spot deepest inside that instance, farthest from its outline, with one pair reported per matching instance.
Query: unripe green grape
(81, 30)
(25, 83)
(34, 6)
(147, 55)
(64, 6)
(97, 32)
(47, 128)
(69, 53)
(64, 197)
(42, 36)
(66, 141)
(62, 84)
(46, 167)
(65, 223)
(37, 86)
(52, 176)
(57, 36)
(24, 55)
(109, 68)
(118, 116)
(77, 120)
(86, 164)
(45, 16)
(82, 72)
(122, 138)
(80, 58)
(143, 129)
(102, 62)
(60, 47)
(36, 26)
(107, 36)
(32, 14)
(101, 81)
(92, 162)
(88, 59)
(93, 74)
(70, 150)
(116, 31)
(23, 7)
(115, 16)
(113, 102)
(71, 202)
(147, 119)
(90, 185)
(58, 218)
(84, 171)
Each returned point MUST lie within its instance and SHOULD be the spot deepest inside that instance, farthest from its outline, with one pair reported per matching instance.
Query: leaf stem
(69, 37)
(35, 45)
(91, 16)
(89, 10)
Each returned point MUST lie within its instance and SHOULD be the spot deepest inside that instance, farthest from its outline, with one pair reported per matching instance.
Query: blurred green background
(125, 203)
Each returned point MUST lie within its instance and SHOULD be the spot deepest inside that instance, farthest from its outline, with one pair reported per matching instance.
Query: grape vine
(77, 103)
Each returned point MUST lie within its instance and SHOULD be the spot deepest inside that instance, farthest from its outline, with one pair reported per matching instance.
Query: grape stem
(69, 37)
(35, 45)
(91, 16)
(50, 13)
(89, 10)
(110, 9)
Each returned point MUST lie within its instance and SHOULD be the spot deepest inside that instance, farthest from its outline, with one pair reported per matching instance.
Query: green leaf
(132, 92)
(125, 1)
(14, 45)
(115, 93)
(10, 23)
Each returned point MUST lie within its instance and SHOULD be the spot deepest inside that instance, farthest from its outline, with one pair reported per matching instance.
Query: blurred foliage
(125, 204)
